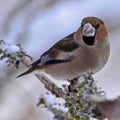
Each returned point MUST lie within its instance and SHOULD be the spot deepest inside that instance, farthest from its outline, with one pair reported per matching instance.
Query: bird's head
(92, 31)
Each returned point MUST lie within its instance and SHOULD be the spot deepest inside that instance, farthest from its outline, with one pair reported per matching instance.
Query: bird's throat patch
(89, 40)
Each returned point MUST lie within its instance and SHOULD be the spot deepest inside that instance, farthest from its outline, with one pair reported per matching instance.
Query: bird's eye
(97, 26)
(82, 25)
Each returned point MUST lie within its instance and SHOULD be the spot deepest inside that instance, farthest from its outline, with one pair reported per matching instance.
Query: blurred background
(37, 25)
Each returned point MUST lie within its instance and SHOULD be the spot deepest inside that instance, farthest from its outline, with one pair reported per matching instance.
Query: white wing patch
(65, 56)
(45, 58)
(62, 56)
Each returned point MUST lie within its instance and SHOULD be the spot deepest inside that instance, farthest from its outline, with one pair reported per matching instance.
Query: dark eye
(82, 25)
(97, 26)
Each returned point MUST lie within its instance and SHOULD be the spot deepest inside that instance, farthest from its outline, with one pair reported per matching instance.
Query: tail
(26, 72)
(31, 69)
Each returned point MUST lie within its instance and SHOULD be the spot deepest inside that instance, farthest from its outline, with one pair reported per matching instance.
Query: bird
(84, 51)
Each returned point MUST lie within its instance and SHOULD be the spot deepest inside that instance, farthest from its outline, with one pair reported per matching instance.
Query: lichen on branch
(83, 99)
(12, 54)
(78, 98)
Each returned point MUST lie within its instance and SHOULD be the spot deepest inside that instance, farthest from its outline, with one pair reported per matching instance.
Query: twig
(83, 99)
(51, 86)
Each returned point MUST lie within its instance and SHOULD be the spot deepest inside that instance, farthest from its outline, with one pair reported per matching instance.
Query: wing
(59, 53)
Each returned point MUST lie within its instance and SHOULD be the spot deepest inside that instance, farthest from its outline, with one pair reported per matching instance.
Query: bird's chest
(88, 59)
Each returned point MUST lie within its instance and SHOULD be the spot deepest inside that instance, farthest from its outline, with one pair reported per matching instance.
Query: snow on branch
(11, 53)
(59, 110)
(84, 100)
(77, 96)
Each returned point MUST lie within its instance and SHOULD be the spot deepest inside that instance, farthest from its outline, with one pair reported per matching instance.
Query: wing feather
(59, 53)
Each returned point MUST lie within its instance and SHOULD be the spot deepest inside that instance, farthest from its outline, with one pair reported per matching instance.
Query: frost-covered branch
(59, 110)
(83, 99)
(51, 86)
(11, 53)
(77, 96)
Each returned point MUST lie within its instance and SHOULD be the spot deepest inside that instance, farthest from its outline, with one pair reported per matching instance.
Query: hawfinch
(86, 50)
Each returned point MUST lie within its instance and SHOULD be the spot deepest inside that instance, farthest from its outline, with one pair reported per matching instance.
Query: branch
(12, 54)
(83, 99)
(59, 110)
(110, 108)
(52, 87)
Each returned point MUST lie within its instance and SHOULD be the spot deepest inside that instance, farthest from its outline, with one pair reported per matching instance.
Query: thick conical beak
(88, 30)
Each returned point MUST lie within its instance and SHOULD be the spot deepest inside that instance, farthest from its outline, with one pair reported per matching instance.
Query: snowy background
(37, 25)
